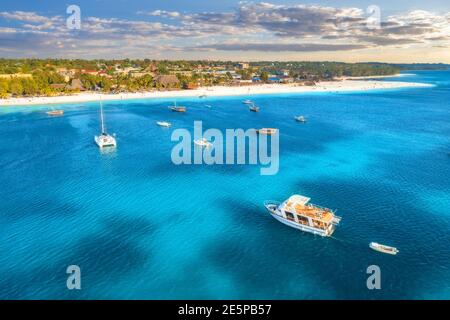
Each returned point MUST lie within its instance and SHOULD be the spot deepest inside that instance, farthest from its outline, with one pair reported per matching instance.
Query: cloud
(24, 16)
(301, 47)
(250, 27)
(32, 20)
(163, 13)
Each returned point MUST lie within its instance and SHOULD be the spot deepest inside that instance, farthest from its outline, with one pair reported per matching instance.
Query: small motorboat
(55, 112)
(267, 131)
(254, 108)
(208, 106)
(163, 124)
(247, 101)
(203, 143)
(300, 119)
(383, 248)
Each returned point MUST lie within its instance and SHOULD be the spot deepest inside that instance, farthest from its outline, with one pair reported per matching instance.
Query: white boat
(55, 112)
(203, 143)
(297, 212)
(254, 108)
(300, 119)
(104, 140)
(208, 106)
(383, 248)
(247, 101)
(163, 124)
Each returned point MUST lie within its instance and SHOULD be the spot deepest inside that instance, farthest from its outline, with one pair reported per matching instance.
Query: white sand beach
(326, 86)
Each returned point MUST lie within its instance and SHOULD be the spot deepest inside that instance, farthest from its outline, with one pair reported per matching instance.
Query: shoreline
(346, 85)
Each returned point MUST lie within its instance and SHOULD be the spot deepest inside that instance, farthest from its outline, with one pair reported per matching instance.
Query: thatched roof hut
(166, 81)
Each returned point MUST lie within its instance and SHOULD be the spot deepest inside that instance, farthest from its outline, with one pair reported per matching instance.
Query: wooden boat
(177, 109)
(55, 112)
(267, 131)
(383, 248)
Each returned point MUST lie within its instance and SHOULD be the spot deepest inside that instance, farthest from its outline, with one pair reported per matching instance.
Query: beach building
(166, 81)
(76, 84)
(243, 65)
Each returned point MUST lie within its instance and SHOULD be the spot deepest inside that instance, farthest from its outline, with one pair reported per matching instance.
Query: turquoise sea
(140, 227)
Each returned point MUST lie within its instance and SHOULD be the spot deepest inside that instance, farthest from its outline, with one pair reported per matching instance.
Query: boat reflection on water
(108, 150)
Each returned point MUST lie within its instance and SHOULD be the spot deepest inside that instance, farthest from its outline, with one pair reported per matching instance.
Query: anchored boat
(297, 212)
(175, 108)
(300, 119)
(55, 112)
(163, 124)
(203, 143)
(254, 108)
(178, 109)
(104, 140)
(267, 131)
(383, 248)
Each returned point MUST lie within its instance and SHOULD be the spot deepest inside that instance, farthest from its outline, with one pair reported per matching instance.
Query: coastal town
(55, 77)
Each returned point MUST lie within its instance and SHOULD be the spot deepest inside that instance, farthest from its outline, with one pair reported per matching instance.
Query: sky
(348, 30)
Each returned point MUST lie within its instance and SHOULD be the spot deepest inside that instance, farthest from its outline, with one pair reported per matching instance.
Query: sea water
(140, 227)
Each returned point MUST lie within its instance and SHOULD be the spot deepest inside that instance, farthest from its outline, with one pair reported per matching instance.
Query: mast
(101, 117)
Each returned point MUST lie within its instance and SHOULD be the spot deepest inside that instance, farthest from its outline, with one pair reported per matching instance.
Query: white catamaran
(104, 140)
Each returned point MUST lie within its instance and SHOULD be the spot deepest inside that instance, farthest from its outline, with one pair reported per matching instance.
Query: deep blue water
(141, 227)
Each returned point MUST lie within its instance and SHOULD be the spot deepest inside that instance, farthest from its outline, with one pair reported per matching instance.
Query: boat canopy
(298, 199)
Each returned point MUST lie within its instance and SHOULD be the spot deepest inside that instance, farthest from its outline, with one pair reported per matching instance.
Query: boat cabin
(297, 209)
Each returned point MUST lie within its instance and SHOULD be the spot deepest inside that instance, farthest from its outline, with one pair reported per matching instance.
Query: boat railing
(320, 207)
(271, 203)
(336, 220)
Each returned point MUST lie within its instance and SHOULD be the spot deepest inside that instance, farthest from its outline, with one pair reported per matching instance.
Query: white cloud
(258, 26)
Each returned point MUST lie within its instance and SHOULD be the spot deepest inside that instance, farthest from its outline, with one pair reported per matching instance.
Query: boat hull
(178, 109)
(105, 142)
(163, 124)
(203, 144)
(383, 249)
(56, 113)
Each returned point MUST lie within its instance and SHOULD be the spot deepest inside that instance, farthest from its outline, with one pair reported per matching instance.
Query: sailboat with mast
(104, 140)
(176, 108)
